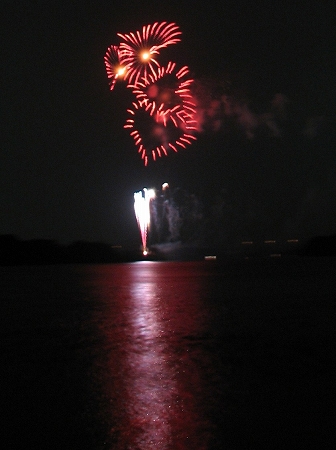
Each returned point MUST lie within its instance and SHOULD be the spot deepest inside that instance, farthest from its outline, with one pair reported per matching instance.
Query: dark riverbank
(15, 251)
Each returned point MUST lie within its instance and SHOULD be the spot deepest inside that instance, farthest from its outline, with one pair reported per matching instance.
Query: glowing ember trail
(142, 213)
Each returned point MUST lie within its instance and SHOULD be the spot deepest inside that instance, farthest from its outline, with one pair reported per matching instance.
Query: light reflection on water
(149, 378)
(152, 384)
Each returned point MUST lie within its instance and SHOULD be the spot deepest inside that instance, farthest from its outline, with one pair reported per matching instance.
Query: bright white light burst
(142, 213)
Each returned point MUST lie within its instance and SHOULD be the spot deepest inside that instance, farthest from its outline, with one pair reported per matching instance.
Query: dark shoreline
(15, 251)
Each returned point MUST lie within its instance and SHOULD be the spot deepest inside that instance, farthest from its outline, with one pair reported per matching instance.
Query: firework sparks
(154, 137)
(114, 68)
(139, 50)
(168, 89)
(164, 117)
(142, 201)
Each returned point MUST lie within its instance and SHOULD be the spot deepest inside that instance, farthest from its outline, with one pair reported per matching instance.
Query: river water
(169, 355)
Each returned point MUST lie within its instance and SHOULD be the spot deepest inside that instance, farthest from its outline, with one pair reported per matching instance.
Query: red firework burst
(140, 49)
(152, 137)
(168, 90)
(114, 68)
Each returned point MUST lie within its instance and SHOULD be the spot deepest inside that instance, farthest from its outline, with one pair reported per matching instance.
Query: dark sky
(68, 169)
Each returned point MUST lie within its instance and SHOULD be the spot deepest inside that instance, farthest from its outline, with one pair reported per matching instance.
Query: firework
(168, 89)
(114, 68)
(163, 117)
(154, 137)
(139, 50)
(142, 201)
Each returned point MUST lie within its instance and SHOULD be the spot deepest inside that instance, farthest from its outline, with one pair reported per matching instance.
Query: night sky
(265, 155)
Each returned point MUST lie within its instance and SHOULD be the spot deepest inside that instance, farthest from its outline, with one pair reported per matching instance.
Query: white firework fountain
(142, 201)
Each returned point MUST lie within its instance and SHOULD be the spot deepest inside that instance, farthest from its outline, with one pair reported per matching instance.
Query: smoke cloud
(222, 108)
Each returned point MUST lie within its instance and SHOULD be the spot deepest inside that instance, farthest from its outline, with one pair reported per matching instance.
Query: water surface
(169, 355)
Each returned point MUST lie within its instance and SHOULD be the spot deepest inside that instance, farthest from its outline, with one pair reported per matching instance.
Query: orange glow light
(145, 56)
(121, 71)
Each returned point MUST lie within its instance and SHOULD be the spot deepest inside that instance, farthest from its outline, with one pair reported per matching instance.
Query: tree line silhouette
(15, 251)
